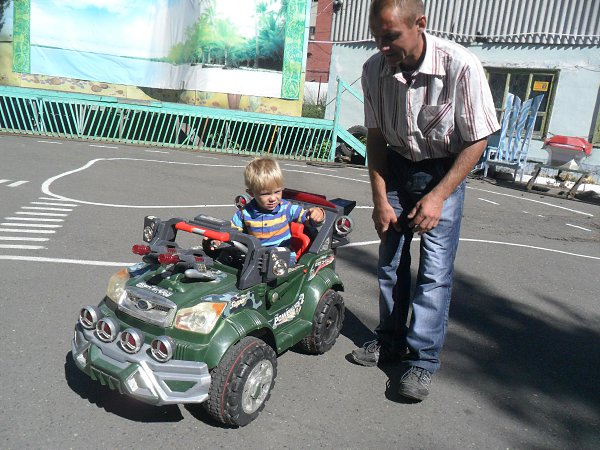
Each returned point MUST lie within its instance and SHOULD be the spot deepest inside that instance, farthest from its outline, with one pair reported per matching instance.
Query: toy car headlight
(150, 227)
(116, 286)
(201, 318)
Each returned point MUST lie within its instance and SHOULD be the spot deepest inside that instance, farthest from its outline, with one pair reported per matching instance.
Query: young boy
(267, 216)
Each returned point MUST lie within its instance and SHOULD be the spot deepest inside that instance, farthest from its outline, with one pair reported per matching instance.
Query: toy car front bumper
(138, 375)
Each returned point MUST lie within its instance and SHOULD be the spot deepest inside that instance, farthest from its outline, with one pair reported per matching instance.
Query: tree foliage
(216, 40)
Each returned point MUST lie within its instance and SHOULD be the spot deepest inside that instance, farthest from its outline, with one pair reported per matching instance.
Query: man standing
(429, 111)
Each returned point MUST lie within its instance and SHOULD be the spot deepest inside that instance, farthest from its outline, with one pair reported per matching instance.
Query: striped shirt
(447, 103)
(271, 228)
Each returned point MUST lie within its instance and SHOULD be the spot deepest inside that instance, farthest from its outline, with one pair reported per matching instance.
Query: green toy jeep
(199, 324)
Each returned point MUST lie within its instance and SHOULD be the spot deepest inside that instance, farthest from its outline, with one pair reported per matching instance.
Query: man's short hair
(262, 172)
(410, 10)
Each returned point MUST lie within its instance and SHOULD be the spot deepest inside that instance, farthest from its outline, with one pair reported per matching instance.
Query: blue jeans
(407, 182)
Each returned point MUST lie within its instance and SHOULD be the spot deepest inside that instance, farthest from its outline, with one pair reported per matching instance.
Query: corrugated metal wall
(564, 22)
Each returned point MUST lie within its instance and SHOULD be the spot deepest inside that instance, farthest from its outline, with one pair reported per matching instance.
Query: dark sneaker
(414, 384)
(372, 353)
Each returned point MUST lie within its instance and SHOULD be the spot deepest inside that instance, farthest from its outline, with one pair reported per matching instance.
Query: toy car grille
(148, 306)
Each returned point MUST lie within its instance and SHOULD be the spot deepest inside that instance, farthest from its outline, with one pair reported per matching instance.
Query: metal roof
(563, 22)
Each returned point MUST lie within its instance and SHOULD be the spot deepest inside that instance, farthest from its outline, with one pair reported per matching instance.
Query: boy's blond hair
(261, 173)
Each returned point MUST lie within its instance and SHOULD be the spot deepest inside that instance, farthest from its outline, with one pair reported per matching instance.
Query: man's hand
(425, 216)
(383, 217)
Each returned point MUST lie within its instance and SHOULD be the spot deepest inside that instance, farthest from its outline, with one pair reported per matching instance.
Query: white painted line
(23, 247)
(46, 184)
(531, 200)
(65, 261)
(34, 219)
(45, 209)
(483, 241)
(13, 230)
(27, 213)
(577, 226)
(54, 204)
(102, 146)
(50, 142)
(207, 157)
(488, 201)
(33, 225)
(49, 198)
(4, 181)
(525, 212)
(294, 165)
(363, 207)
(17, 183)
(157, 151)
(19, 238)
(539, 215)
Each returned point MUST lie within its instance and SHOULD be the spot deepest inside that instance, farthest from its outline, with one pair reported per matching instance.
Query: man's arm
(426, 213)
(383, 214)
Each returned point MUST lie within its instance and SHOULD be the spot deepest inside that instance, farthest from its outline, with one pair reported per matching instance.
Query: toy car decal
(234, 301)
(325, 246)
(295, 267)
(290, 313)
(155, 289)
(319, 264)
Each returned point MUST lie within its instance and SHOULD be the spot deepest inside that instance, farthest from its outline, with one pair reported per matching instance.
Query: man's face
(268, 197)
(400, 42)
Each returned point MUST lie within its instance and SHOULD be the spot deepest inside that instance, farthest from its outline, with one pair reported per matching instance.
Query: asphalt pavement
(519, 368)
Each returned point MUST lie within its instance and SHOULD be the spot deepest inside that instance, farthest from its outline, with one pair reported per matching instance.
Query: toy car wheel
(242, 382)
(327, 324)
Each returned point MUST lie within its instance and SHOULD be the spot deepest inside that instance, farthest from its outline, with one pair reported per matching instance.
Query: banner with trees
(245, 47)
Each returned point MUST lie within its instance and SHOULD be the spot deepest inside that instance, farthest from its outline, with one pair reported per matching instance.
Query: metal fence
(110, 119)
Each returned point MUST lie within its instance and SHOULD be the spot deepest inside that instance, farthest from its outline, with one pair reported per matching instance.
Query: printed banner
(247, 47)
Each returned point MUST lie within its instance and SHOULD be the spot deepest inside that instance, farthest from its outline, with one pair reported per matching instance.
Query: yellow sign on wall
(541, 86)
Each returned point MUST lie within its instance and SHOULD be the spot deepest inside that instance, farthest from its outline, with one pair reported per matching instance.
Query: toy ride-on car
(195, 324)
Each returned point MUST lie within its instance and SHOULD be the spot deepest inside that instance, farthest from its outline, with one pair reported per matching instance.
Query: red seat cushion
(300, 241)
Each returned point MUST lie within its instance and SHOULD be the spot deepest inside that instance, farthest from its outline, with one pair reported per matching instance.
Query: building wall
(319, 49)
(576, 100)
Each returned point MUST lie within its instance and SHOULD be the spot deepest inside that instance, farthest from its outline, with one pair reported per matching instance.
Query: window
(525, 84)
(311, 32)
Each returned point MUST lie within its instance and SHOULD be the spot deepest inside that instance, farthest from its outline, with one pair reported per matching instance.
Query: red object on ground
(575, 144)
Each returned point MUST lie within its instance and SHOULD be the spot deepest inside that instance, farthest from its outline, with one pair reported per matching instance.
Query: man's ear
(421, 23)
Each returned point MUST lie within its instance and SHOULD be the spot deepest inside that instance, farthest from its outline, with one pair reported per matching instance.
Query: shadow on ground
(115, 403)
(538, 369)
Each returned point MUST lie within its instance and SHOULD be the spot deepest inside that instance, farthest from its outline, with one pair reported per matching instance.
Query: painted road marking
(32, 225)
(45, 209)
(532, 200)
(54, 204)
(35, 219)
(102, 146)
(17, 183)
(14, 183)
(27, 213)
(50, 142)
(23, 247)
(353, 244)
(157, 151)
(13, 230)
(488, 201)
(577, 226)
(19, 238)
(483, 241)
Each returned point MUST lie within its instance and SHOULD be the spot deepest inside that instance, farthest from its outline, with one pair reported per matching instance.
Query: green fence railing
(110, 119)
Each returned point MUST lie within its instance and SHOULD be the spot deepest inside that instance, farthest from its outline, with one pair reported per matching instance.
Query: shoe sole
(413, 394)
(363, 363)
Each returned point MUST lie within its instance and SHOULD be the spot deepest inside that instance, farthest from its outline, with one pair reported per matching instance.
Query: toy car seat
(300, 241)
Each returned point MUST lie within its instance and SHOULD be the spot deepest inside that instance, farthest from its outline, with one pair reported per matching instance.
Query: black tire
(360, 133)
(327, 324)
(242, 382)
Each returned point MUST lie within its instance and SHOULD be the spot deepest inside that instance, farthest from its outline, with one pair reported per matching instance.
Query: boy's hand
(317, 215)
